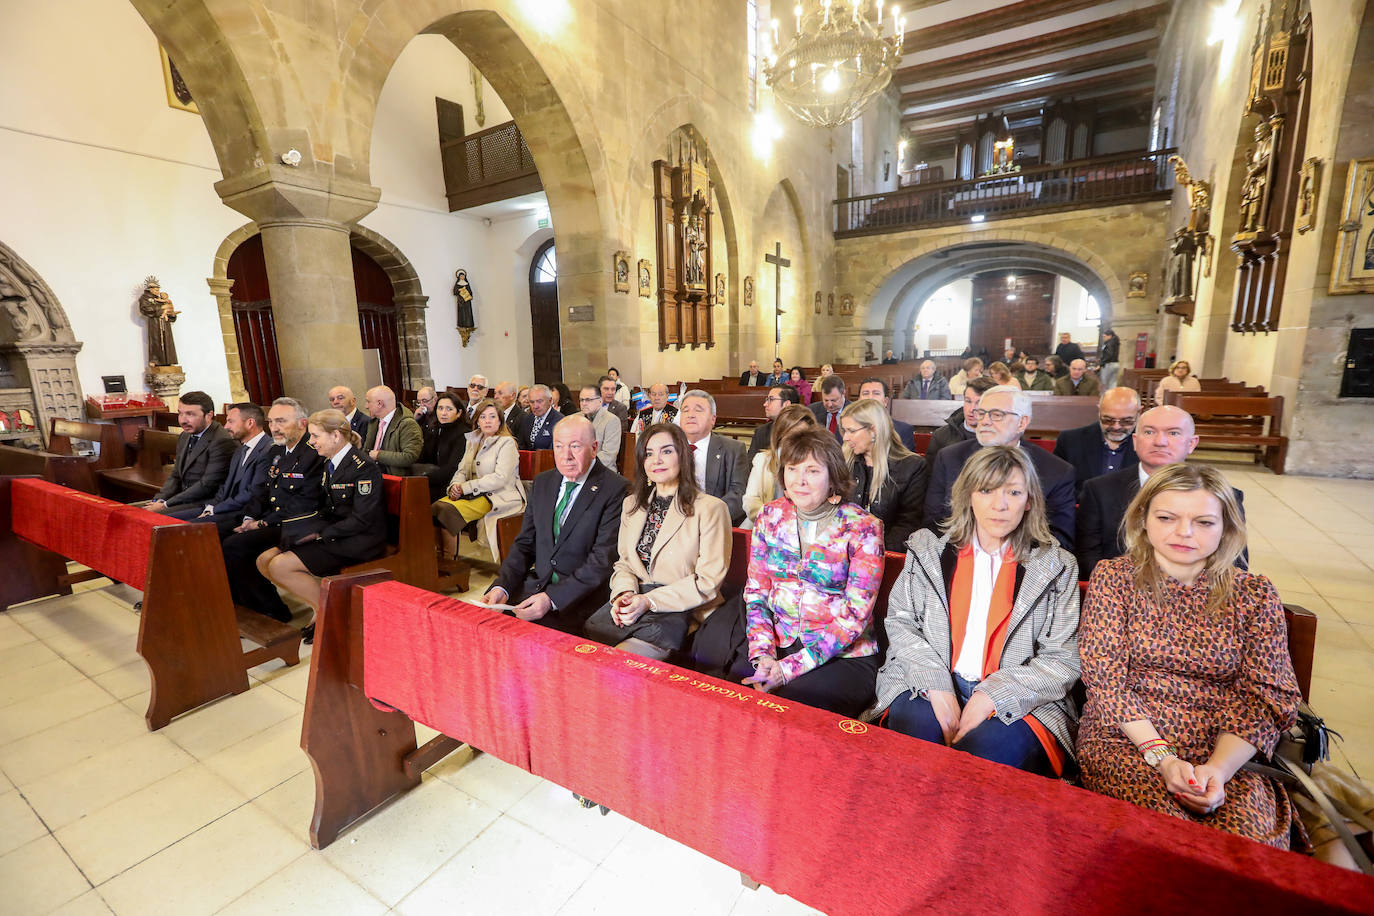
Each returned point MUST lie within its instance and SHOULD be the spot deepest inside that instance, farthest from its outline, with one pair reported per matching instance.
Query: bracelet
(1153, 742)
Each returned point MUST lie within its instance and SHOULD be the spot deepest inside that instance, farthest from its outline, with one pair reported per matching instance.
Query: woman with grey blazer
(983, 625)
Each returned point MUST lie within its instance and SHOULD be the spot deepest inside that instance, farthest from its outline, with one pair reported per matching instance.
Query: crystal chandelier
(836, 61)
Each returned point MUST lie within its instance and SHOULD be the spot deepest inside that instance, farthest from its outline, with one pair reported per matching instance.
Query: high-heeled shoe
(308, 634)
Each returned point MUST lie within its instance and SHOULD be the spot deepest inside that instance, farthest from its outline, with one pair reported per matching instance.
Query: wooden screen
(377, 317)
(251, 304)
(1028, 319)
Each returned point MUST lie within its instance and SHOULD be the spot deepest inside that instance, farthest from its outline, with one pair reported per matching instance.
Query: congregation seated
(829, 407)
(982, 651)
(1079, 381)
(778, 397)
(622, 391)
(1180, 378)
(875, 389)
(487, 479)
(247, 471)
(609, 390)
(1186, 664)
(342, 399)
(1164, 436)
(477, 393)
(1031, 378)
(507, 399)
(753, 376)
(1002, 416)
(445, 444)
(523, 398)
(425, 399)
(765, 473)
(606, 424)
(349, 525)
(202, 458)
(674, 551)
(778, 376)
(1000, 373)
(535, 430)
(394, 440)
(558, 570)
(889, 480)
(929, 385)
(971, 369)
(960, 426)
(658, 411)
(1107, 445)
(1055, 367)
(796, 379)
(719, 462)
(565, 400)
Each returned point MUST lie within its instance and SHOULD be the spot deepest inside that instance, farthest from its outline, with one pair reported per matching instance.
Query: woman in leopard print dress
(1186, 663)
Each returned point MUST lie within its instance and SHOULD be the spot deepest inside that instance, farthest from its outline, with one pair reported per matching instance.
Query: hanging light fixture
(836, 61)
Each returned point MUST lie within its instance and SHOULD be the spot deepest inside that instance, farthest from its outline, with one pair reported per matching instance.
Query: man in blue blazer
(342, 399)
(536, 427)
(247, 471)
(1105, 446)
(876, 389)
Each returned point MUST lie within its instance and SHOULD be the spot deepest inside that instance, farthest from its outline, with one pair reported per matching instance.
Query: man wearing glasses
(605, 425)
(778, 398)
(1105, 446)
(1002, 416)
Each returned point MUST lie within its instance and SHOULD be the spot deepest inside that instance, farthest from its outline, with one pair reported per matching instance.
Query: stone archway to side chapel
(37, 346)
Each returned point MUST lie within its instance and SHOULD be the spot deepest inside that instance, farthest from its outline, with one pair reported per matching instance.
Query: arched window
(545, 266)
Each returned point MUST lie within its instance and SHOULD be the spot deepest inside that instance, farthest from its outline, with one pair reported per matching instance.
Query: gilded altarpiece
(684, 245)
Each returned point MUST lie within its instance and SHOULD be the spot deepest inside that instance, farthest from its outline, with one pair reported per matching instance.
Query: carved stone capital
(220, 287)
(276, 195)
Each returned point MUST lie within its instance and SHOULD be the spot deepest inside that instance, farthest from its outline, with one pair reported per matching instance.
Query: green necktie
(563, 499)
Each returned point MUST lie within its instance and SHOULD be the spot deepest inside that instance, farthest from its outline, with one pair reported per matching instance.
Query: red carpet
(845, 817)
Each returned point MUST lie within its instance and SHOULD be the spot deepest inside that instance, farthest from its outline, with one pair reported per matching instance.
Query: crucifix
(778, 262)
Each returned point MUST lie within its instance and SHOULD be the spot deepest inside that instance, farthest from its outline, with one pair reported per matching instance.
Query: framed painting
(178, 95)
(1352, 270)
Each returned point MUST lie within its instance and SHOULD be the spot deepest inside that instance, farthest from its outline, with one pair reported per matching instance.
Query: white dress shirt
(986, 566)
(700, 450)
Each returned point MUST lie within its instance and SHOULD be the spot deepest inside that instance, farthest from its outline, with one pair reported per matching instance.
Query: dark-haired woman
(796, 377)
(567, 404)
(674, 551)
(350, 526)
(445, 444)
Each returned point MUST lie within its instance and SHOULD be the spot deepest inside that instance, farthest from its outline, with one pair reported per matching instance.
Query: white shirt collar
(253, 442)
(340, 455)
(1144, 474)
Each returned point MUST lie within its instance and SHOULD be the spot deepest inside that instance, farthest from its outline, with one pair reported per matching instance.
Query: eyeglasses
(589, 400)
(1117, 421)
(771, 398)
(996, 416)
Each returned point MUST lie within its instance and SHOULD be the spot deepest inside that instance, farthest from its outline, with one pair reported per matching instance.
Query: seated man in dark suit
(930, 385)
(754, 377)
(1003, 415)
(1163, 436)
(342, 399)
(535, 428)
(608, 386)
(875, 389)
(1105, 446)
(394, 440)
(960, 425)
(778, 398)
(425, 400)
(832, 402)
(247, 471)
(889, 358)
(721, 468)
(558, 571)
(202, 459)
(507, 398)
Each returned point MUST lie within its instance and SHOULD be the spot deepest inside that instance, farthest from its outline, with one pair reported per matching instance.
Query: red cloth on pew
(843, 816)
(109, 537)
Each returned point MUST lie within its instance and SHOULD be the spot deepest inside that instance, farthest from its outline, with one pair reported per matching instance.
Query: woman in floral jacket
(815, 565)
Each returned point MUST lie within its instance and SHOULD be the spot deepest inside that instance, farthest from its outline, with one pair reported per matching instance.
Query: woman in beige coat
(487, 480)
(674, 551)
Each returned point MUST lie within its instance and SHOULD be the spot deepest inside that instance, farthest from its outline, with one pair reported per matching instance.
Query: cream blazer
(688, 561)
(496, 471)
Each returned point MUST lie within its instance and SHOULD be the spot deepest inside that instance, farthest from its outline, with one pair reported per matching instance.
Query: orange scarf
(999, 611)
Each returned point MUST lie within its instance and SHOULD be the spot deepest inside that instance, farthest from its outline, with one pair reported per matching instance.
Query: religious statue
(748, 291)
(1178, 281)
(462, 291)
(1199, 195)
(694, 252)
(1255, 188)
(156, 306)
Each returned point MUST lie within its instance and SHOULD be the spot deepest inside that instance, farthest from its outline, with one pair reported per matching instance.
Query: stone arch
(37, 345)
(406, 293)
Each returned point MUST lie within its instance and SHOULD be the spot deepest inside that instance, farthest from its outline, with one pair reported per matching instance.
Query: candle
(896, 18)
(775, 33)
(797, 9)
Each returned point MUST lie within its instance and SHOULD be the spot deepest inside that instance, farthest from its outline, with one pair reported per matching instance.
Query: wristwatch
(1158, 754)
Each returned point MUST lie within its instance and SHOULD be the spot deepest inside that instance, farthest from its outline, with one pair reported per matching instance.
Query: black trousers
(248, 586)
(565, 620)
(844, 686)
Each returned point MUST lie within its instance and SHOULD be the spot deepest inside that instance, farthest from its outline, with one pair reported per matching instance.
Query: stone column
(414, 339)
(221, 288)
(305, 219)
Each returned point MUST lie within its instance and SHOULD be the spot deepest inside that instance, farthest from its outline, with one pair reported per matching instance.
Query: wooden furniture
(67, 470)
(1242, 423)
(625, 459)
(107, 437)
(534, 463)
(189, 630)
(157, 452)
(1144, 381)
(409, 555)
(1050, 415)
(129, 420)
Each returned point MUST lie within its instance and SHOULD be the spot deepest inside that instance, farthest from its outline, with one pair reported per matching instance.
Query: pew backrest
(105, 435)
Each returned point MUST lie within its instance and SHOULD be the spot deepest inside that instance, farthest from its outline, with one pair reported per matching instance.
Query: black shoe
(308, 634)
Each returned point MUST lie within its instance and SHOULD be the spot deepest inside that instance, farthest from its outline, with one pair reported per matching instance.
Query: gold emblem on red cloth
(853, 727)
(585, 649)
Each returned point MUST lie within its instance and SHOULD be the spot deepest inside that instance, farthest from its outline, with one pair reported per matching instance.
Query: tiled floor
(210, 814)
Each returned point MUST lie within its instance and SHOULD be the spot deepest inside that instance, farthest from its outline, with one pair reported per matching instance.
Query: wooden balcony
(1080, 184)
(490, 165)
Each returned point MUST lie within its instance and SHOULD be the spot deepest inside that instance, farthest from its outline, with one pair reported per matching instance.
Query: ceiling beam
(1050, 43)
(1136, 52)
(987, 22)
(1135, 95)
(1002, 103)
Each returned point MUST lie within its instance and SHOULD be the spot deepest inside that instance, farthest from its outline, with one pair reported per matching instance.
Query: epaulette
(358, 461)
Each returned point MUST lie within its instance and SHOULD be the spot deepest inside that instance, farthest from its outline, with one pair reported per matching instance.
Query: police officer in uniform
(350, 526)
(292, 493)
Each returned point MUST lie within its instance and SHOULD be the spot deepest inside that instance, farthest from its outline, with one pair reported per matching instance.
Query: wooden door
(548, 346)
(251, 304)
(1022, 309)
(377, 319)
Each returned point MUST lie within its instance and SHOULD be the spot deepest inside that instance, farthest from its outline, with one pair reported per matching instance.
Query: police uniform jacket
(293, 485)
(353, 507)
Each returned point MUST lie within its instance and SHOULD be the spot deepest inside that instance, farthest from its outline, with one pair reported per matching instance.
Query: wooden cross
(778, 262)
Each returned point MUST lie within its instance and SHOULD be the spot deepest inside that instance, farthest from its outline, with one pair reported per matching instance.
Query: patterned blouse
(653, 523)
(823, 598)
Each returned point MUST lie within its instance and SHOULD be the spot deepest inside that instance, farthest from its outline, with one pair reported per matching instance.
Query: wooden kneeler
(362, 756)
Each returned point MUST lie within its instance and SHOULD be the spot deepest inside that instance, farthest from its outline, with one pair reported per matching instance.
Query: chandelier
(836, 61)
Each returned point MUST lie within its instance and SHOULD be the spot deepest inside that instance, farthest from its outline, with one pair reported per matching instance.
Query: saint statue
(462, 289)
(1254, 190)
(1178, 282)
(156, 306)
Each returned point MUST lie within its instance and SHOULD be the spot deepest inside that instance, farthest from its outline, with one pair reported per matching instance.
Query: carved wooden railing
(1082, 183)
(490, 165)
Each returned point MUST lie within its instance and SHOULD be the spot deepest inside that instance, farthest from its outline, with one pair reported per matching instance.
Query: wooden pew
(1050, 415)
(157, 452)
(106, 436)
(534, 463)
(1242, 423)
(67, 470)
(1144, 381)
(410, 555)
(189, 630)
(625, 459)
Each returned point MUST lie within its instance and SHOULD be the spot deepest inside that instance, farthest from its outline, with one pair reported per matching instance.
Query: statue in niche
(1255, 188)
(156, 306)
(462, 291)
(1178, 281)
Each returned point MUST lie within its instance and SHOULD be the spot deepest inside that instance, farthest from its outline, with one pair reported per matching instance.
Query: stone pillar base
(165, 382)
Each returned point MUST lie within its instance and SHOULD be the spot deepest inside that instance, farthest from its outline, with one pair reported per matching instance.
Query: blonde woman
(487, 479)
(765, 477)
(1180, 378)
(1000, 373)
(889, 481)
(982, 626)
(1185, 658)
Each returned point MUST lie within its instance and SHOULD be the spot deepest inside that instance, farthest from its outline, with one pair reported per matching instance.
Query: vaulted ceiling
(965, 58)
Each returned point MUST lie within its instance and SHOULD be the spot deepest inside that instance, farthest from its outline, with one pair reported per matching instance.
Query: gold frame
(172, 100)
(1144, 290)
(646, 278)
(748, 292)
(1356, 226)
(1309, 186)
(620, 276)
(847, 304)
(722, 292)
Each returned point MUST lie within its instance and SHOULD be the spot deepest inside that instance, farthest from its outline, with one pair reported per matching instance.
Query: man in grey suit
(202, 460)
(604, 425)
(247, 471)
(928, 386)
(719, 462)
(607, 386)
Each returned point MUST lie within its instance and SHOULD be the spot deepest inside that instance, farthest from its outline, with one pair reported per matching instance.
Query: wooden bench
(1240, 423)
(410, 554)
(1050, 415)
(67, 470)
(107, 438)
(157, 452)
(189, 630)
(534, 463)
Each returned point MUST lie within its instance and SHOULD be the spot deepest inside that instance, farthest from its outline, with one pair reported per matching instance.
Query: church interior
(242, 201)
